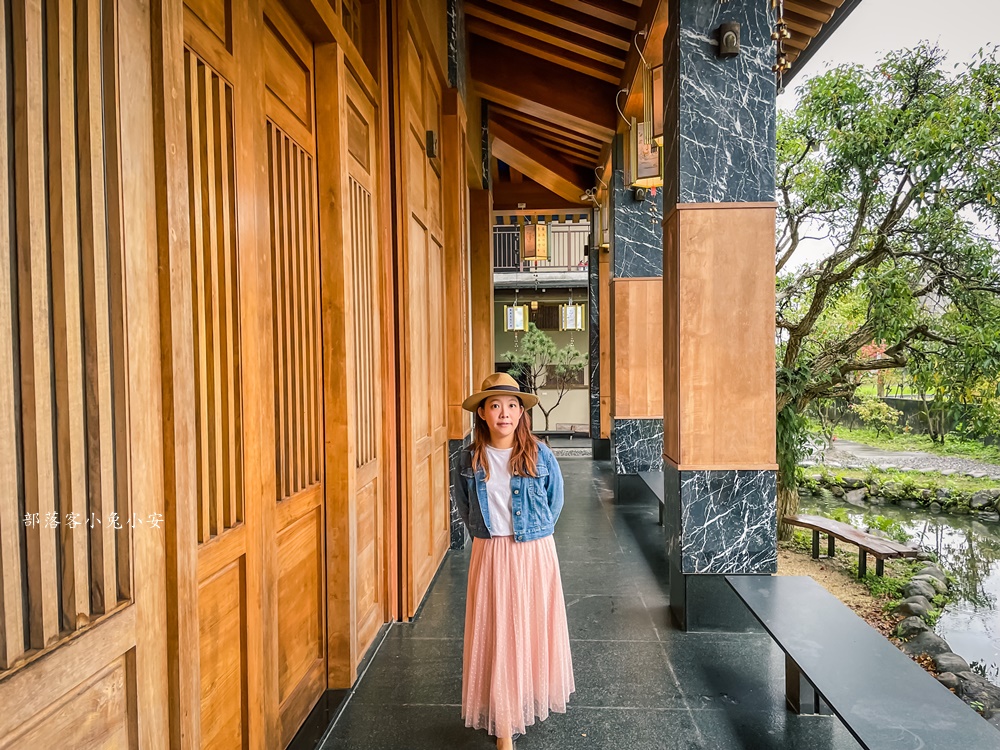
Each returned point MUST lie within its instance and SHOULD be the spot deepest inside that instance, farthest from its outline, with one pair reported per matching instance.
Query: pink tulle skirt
(516, 664)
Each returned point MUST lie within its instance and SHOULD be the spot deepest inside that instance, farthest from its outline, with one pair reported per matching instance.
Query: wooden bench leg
(815, 545)
(831, 545)
(862, 563)
(880, 567)
(793, 685)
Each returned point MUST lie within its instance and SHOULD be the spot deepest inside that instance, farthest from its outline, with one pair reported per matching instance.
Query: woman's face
(501, 414)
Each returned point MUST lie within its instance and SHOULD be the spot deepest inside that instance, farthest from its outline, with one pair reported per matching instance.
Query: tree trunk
(788, 505)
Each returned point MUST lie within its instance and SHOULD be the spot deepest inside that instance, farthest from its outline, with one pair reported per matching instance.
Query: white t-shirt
(498, 495)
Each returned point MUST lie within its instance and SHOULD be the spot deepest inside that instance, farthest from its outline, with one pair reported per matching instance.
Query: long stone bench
(884, 698)
(654, 480)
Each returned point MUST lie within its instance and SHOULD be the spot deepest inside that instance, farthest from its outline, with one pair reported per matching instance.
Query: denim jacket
(536, 501)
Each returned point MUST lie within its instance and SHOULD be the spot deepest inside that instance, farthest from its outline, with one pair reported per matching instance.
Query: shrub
(876, 414)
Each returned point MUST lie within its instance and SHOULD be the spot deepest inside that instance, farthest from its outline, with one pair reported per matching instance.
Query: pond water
(970, 549)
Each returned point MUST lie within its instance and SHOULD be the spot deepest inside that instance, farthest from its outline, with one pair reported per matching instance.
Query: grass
(954, 447)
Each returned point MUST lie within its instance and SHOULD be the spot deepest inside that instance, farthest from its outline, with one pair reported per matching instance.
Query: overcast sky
(960, 27)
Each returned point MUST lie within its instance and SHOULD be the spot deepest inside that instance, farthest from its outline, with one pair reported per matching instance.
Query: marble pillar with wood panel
(718, 313)
(636, 266)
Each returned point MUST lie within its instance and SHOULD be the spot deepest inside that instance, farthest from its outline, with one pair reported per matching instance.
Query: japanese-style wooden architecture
(242, 275)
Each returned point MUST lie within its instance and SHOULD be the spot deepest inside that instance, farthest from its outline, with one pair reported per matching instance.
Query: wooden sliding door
(423, 311)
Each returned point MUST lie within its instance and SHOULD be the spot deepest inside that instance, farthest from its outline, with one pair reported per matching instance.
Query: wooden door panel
(425, 309)
(298, 537)
(368, 503)
(94, 716)
(301, 619)
(81, 511)
(222, 613)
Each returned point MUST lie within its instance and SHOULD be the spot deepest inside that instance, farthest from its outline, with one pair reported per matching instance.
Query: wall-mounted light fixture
(728, 36)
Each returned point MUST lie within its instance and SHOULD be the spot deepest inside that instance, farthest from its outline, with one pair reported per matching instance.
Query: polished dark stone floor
(641, 683)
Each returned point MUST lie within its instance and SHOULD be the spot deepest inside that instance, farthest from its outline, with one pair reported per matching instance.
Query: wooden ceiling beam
(613, 11)
(547, 127)
(544, 90)
(574, 21)
(552, 53)
(536, 163)
(507, 196)
(545, 32)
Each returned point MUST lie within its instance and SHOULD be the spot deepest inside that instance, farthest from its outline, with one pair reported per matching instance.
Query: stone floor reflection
(641, 683)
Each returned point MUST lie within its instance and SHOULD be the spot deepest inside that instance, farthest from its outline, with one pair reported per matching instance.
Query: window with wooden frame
(350, 16)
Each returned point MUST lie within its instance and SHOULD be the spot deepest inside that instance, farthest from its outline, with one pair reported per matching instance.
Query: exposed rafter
(537, 163)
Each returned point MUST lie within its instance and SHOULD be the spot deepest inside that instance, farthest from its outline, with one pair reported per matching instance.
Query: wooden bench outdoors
(868, 544)
(883, 697)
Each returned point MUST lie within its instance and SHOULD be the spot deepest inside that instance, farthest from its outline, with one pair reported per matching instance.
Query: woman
(517, 664)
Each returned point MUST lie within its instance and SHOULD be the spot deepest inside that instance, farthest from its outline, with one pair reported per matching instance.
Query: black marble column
(719, 136)
(636, 229)
(457, 65)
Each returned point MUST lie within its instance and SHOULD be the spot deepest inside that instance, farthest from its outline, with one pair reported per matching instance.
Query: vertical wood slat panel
(116, 246)
(64, 238)
(97, 312)
(211, 311)
(296, 331)
(226, 285)
(286, 306)
(12, 579)
(365, 325)
(307, 312)
(201, 352)
(215, 298)
(278, 282)
(295, 317)
(34, 318)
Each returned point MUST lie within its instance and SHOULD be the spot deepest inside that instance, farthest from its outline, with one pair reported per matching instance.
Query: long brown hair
(524, 457)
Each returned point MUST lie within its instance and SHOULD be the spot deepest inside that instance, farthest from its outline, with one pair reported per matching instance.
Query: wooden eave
(552, 72)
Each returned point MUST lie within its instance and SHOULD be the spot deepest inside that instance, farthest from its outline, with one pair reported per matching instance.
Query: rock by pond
(927, 643)
(920, 588)
(919, 606)
(911, 626)
(949, 662)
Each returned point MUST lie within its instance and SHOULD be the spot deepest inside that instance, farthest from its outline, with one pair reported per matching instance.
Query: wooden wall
(637, 381)
(718, 337)
(257, 484)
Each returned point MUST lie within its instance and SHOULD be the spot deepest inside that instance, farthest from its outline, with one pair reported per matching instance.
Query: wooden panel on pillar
(638, 353)
(481, 261)
(721, 274)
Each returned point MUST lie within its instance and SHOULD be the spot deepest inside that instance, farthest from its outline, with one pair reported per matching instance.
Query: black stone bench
(885, 699)
(654, 480)
(868, 544)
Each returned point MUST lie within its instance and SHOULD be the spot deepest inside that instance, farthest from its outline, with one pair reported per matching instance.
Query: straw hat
(499, 384)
